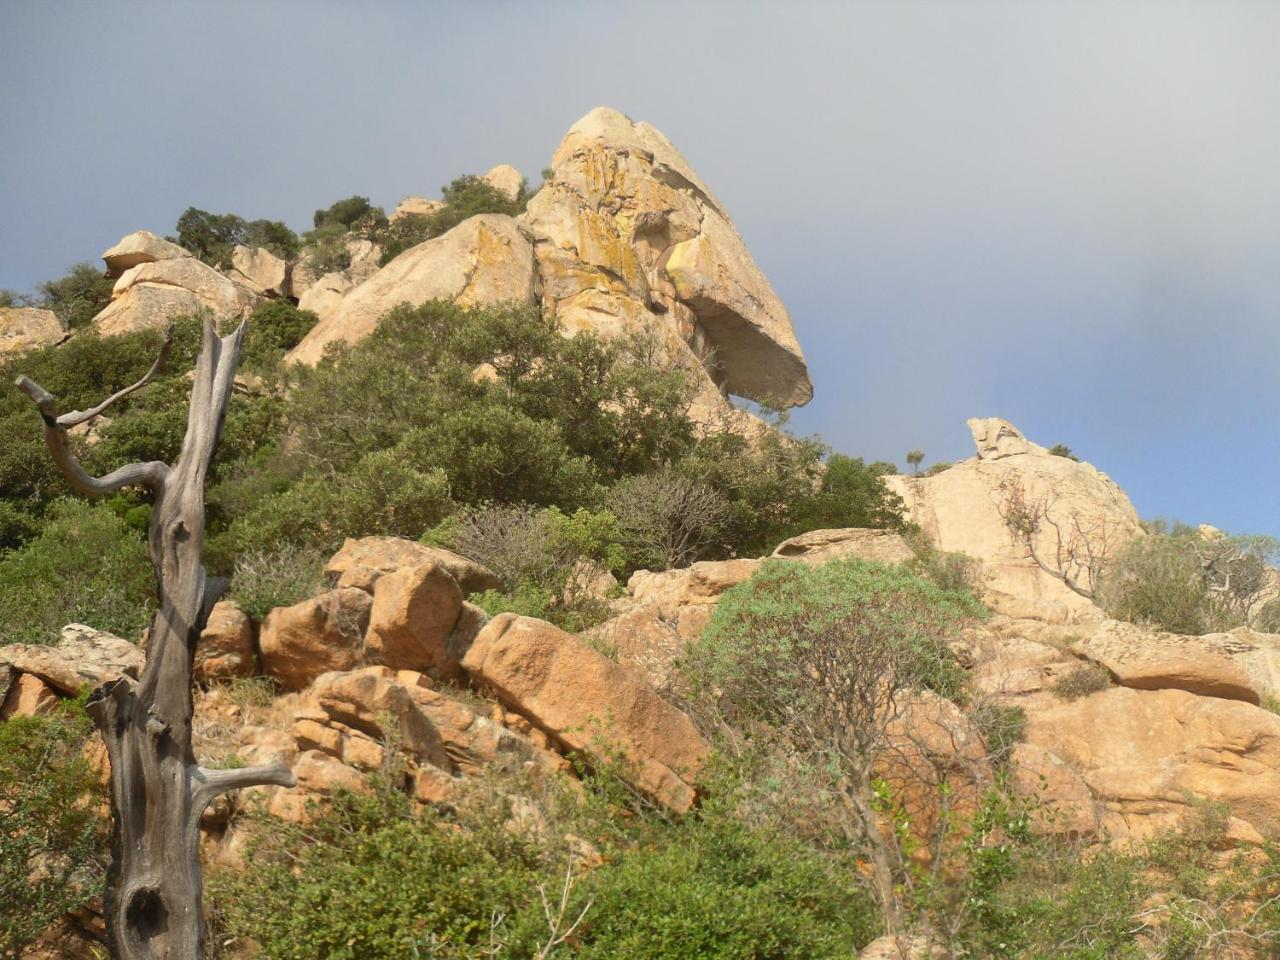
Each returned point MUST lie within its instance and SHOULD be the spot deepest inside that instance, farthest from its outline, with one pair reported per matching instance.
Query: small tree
(823, 661)
(667, 519)
(914, 459)
(152, 903)
(1069, 546)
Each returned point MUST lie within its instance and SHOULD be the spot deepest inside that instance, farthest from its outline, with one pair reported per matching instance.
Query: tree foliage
(1181, 580)
(212, 236)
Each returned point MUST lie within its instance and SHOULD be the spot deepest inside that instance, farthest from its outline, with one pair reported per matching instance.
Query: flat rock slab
(82, 659)
(1147, 660)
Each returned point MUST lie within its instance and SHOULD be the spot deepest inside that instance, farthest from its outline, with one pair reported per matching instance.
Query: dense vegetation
(1180, 579)
(399, 435)
(52, 839)
(553, 460)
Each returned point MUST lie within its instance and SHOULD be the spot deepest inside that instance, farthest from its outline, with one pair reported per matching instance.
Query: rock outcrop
(226, 646)
(486, 259)
(140, 247)
(1037, 522)
(590, 704)
(318, 635)
(82, 659)
(819, 546)
(362, 561)
(506, 179)
(1148, 756)
(627, 233)
(26, 328)
(260, 270)
(156, 291)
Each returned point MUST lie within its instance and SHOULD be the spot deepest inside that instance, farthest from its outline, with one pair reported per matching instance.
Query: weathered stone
(260, 270)
(473, 742)
(819, 546)
(361, 562)
(1062, 803)
(972, 507)
(486, 259)
(416, 207)
(929, 742)
(1148, 756)
(643, 640)
(1015, 666)
(414, 611)
(225, 649)
(299, 643)
(142, 246)
(26, 328)
(323, 296)
(83, 658)
(586, 701)
(903, 947)
(996, 437)
(318, 775)
(623, 202)
(373, 703)
(698, 584)
(1154, 660)
(505, 178)
(154, 293)
(29, 696)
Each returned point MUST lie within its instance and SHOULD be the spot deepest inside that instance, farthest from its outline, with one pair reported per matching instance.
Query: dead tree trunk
(158, 791)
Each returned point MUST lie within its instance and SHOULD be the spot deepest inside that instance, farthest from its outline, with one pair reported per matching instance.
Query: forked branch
(55, 435)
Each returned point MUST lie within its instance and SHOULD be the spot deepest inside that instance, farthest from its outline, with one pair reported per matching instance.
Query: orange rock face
(414, 611)
(589, 703)
(315, 636)
(225, 649)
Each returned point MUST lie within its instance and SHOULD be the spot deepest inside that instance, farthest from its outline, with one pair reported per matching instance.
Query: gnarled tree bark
(158, 791)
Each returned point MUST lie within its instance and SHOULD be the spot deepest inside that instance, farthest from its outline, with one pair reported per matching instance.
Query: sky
(1064, 214)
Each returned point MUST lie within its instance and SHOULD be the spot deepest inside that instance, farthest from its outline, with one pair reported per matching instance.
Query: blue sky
(1063, 214)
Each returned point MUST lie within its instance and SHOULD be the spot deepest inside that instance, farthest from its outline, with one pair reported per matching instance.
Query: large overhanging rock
(1040, 524)
(154, 293)
(624, 214)
(142, 246)
(486, 259)
(25, 328)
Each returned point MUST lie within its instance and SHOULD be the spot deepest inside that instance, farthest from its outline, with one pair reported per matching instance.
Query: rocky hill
(984, 655)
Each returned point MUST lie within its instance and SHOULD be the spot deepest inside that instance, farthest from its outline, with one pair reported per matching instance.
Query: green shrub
(1001, 726)
(1185, 582)
(52, 838)
(1268, 618)
(1081, 681)
(368, 880)
(465, 197)
(949, 570)
(383, 493)
(343, 213)
(77, 297)
(275, 327)
(1062, 450)
(714, 889)
(268, 578)
(86, 566)
(773, 621)
(665, 519)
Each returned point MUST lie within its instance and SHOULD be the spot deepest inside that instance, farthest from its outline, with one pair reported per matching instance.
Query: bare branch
(207, 784)
(77, 417)
(55, 437)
